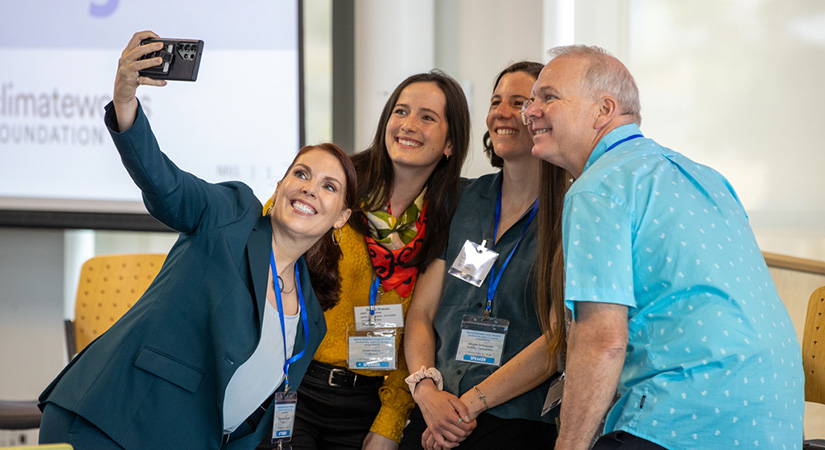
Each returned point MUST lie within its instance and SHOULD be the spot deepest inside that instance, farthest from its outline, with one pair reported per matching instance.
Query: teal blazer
(156, 379)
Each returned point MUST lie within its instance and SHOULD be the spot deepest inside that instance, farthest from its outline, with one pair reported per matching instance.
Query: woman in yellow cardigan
(408, 190)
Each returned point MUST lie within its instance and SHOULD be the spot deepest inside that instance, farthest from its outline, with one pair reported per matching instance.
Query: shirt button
(458, 372)
(478, 305)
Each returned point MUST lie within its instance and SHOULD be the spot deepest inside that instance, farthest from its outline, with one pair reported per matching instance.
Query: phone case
(181, 59)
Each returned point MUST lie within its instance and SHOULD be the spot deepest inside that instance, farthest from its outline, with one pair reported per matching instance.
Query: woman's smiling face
(508, 134)
(416, 136)
(311, 197)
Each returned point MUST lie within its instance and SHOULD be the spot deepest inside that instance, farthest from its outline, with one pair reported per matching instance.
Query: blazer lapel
(259, 246)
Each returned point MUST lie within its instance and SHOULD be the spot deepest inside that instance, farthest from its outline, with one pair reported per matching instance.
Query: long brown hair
(322, 258)
(376, 175)
(554, 182)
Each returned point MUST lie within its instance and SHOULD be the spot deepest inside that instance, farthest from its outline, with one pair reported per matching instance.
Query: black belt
(336, 376)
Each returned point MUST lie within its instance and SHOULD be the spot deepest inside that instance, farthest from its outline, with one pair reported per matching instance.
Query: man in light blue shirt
(673, 304)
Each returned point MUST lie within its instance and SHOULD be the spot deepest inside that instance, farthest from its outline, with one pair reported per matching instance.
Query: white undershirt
(257, 378)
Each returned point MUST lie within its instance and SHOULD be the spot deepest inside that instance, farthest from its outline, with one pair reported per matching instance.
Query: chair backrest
(109, 285)
(40, 447)
(813, 348)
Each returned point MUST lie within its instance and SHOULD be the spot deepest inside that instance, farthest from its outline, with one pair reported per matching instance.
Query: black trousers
(333, 418)
(621, 440)
(491, 433)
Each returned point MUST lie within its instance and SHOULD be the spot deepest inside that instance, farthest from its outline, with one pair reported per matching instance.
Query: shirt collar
(609, 139)
(495, 185)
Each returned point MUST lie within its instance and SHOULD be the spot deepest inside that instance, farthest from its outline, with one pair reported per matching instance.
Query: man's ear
(606, 110)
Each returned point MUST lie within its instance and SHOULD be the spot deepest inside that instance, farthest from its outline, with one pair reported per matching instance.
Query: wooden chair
(109, 285)
(813, 356)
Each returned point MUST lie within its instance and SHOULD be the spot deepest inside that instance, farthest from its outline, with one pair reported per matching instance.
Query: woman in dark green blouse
(497, 401)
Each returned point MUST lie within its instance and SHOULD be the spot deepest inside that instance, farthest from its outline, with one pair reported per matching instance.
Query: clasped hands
(449, 419)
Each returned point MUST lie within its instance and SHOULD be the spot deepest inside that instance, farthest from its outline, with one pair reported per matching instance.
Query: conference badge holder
(554, 394)
(283, 417)
(372, 349)
(473, 262)
(381, 317)
(482, 339)
(371, 339)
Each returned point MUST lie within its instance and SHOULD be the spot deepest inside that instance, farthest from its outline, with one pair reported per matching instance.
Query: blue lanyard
(491, 288)
(277, 290)
(629, 138)
(376, 283)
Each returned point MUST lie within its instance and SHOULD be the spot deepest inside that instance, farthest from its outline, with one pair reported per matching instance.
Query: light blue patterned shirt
(712, 361)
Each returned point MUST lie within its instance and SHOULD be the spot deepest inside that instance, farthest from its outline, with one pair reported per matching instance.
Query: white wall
(393, 40)
(738, 86)
(32, 348)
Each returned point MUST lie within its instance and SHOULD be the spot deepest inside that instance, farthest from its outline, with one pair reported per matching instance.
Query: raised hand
(127, 79)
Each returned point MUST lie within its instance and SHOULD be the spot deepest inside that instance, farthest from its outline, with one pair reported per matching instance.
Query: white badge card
(372, 350)
(386, 316)
(473, 263)
(554, 393)
(482, 340)
(284, 416)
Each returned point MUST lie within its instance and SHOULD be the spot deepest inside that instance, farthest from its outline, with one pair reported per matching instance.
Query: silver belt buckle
(332, 373)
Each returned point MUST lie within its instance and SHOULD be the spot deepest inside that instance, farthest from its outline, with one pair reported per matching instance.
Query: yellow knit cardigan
(356, 277)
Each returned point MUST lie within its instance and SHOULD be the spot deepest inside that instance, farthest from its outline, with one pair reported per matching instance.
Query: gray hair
(606, 74)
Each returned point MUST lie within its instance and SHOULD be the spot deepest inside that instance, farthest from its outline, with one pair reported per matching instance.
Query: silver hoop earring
(340, 235)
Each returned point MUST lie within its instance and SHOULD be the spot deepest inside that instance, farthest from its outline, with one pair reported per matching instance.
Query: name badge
(473, 262)
(386, 316)
(482, 340)
(284, 416)
(554, 394)
(373, 351)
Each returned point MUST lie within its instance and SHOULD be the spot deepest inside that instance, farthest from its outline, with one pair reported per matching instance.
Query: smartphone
(181, 59)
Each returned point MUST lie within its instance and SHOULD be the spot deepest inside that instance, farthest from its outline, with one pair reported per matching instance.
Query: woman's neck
(519, 189)
(287, 248)
(407, 184)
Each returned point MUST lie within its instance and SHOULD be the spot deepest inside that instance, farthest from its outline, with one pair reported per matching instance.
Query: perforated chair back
(109, 285)
(40, 447)
(813, 348)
